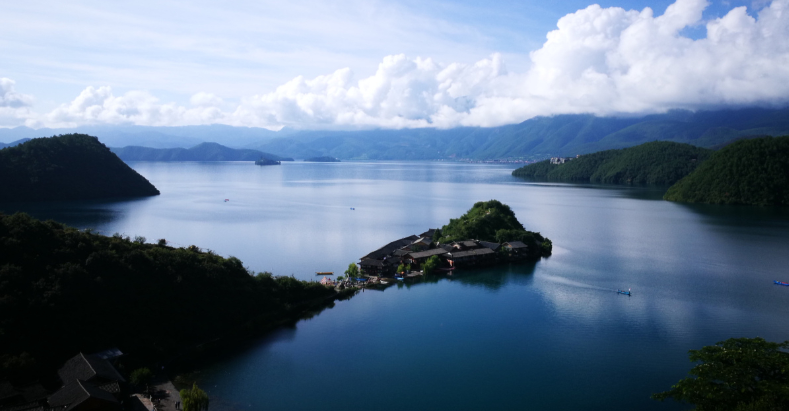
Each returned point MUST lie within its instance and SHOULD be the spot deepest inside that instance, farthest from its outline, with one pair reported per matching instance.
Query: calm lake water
(546, 336)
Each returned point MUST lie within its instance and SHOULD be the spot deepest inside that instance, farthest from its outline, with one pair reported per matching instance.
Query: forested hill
(64, 291)
(655, 163)
(200, 152)
(67, 167)
(754, 171)
(495, 222)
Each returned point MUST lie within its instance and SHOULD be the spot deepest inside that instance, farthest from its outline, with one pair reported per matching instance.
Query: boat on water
(324, 273)
(384, 282)
(781, 282)
(398, 277)
(623, 292)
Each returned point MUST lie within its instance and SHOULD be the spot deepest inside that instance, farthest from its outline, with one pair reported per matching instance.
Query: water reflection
(82, 214)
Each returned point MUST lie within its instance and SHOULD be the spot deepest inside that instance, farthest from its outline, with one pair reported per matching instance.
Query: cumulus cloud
(605, 61)
(101, 106)
(14, 106)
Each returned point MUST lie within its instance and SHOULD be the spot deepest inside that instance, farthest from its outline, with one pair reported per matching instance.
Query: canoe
(623, 292)
(781, 283)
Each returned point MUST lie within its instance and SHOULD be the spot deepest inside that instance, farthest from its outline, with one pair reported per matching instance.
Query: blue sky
(347, 64)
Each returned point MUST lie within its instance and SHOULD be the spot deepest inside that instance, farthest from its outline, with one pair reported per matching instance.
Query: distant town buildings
(562, 160)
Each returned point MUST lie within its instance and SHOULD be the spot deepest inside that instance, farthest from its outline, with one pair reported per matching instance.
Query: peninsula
(91, 292)
(67, 167)
(488, 234)
(655, 163)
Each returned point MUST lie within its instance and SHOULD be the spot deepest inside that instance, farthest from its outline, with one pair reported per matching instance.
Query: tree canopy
(194, 399)
(753, 171)
(149, 300)
(495, 222)
(737, 374)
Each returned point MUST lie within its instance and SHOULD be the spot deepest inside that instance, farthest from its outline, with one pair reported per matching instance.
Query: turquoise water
(544, 336)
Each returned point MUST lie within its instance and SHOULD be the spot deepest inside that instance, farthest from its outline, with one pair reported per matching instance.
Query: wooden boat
(324, 273)
(781, 283)
(626, 292)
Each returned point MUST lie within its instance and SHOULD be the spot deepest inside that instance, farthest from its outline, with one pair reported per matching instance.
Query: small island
(267, 162)
(487, 234)
(67, 167)
(322, 159)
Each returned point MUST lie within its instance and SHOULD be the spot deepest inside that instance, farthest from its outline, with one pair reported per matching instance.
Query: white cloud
(14, 106)
(604, 61)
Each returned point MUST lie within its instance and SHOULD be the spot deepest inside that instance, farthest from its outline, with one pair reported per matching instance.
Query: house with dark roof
(488, 244)
(78, 395)
(90, 382)
(475, 256)
(516, 249)
(388, 249)
(418, 258)
(429, 233)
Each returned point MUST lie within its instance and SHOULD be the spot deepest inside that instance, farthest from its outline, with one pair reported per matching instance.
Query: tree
(431, 264)
(400, 268)
(352, 271)
(141, 376)
(737, 374)
(194, 399)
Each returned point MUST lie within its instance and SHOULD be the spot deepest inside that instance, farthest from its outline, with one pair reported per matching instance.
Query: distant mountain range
(200, 152)
(537, 138)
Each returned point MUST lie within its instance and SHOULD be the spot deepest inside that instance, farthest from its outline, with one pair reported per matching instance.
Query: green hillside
(753, 171)
(63, 291)
(200, 152)
(655, 163)
(67, 167)
(495, 222)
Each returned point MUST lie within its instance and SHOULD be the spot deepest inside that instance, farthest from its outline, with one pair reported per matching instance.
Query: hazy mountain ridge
(541, 137)
(200, 152)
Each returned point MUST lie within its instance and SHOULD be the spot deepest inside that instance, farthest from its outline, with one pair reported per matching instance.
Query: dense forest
(753, 171)
(200, 152)
(67, 167)
(655, 163)
(495, 222)
(63, 291)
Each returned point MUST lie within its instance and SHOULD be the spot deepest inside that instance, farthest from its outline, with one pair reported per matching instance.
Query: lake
(548, 335)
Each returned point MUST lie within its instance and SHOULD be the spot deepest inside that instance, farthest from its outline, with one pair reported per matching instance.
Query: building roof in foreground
(427, 253)
(467, 253)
